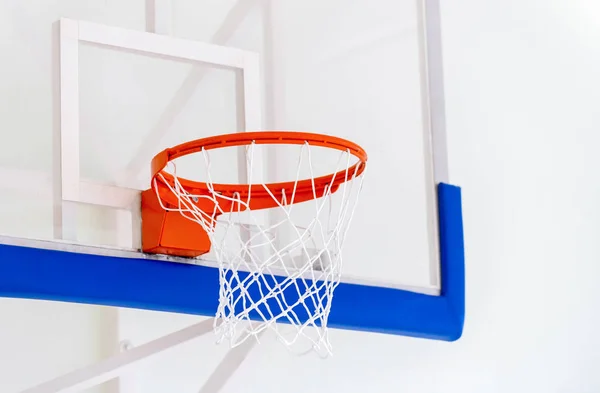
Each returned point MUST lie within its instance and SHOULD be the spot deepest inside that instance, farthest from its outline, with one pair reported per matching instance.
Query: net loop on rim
(278, 246)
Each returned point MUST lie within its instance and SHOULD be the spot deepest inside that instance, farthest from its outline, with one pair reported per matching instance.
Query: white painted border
(73, 188)
(156, 44)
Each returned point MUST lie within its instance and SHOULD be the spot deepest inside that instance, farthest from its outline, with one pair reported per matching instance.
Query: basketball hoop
(278, 245)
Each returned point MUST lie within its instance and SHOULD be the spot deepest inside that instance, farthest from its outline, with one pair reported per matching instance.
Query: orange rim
(304, 189)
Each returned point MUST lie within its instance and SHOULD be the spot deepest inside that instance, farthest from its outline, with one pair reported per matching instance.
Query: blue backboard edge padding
(175, 287)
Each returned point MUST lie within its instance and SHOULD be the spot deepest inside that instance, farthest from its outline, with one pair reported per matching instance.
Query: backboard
(90, 98)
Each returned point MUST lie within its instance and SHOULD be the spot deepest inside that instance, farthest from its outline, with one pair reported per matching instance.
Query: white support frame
(129, 358)
(114, 366)
(74, 189)
(159, 16)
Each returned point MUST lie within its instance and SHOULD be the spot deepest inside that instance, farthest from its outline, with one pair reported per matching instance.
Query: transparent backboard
(356, 70)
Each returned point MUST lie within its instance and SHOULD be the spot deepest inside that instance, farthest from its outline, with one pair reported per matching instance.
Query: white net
(278, 267)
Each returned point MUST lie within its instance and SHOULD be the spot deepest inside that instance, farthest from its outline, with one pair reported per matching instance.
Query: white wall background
(522, 88)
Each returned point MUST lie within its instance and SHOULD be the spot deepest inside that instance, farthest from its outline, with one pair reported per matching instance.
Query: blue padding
(148, 284)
